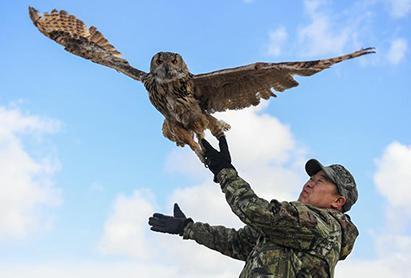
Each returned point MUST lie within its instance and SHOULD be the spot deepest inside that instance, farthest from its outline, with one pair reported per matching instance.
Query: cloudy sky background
(83, 163)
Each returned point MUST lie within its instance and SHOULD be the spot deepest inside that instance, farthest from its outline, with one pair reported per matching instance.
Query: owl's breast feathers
(174, 99)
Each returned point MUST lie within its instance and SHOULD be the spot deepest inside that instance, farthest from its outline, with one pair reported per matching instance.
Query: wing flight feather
(85, 42)
(240, 87)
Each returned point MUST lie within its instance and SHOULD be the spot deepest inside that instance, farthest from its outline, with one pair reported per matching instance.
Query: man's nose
(310, 183)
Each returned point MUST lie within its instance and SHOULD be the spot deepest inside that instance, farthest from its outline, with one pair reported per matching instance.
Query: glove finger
(160, 216)
(156, 222)
(160, 229)
(177, 212)
(222, 142)
(156, 227)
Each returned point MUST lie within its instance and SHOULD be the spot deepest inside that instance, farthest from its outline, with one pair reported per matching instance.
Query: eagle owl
(186, 100)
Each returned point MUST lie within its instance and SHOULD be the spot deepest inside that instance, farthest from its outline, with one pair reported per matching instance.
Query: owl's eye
(159, 62)
(174, 61)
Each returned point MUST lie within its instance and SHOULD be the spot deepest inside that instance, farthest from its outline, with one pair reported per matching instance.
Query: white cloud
(205, 203)
(265, 142)
(319, 39)
(256, 138)
(103, 270)
(392, 244)
(277, 38)
(84, 269)
(399, 8)
(25, 181)
(334, 31)
(125, 230)
(184, 156)
(327, 31)
(393, 180)
(321, 36)
(13, 121)
(126, 233)
(397, 51)
(392, 260)
(393, 175)
(397, 246)
(380, 268)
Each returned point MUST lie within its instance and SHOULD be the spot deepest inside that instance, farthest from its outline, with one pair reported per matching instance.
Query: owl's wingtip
(34, 14)
(32, 10)
(369, 50)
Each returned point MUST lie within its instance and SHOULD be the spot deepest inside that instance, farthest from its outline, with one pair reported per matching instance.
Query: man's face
(319, 191)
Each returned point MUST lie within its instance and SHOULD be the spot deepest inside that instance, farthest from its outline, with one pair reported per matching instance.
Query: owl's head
(168, 66)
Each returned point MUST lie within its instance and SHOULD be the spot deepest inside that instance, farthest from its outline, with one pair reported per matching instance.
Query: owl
(187, 101)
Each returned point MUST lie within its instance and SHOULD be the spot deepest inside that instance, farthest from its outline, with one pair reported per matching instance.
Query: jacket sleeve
(230, 242)
(286, 223)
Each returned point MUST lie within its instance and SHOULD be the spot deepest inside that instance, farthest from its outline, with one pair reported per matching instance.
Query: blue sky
(83, 162)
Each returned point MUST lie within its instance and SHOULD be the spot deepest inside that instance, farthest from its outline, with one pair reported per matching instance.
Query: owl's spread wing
(73, 34)
(240, 87)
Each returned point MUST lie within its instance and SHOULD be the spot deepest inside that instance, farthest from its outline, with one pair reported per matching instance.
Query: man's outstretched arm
(230, 242)
(283, 222)
(236, 244)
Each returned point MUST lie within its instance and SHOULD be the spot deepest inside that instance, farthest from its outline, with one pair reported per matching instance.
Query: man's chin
(302, 198)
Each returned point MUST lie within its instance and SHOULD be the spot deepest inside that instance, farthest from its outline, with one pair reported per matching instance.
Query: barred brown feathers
(185, 100)
(73, 34)
(241, 87)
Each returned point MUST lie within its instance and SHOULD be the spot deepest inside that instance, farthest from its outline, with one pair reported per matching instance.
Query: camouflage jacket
(286, 239)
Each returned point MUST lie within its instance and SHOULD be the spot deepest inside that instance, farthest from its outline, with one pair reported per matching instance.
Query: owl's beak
(167, 70)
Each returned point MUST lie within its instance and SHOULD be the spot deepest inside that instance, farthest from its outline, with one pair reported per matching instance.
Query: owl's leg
(169, 134)
(182, 136)
(217, 127)
(199, 152)
(198, 126)
(193, 144)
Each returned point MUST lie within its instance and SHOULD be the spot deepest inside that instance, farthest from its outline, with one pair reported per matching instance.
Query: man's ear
(339, 202)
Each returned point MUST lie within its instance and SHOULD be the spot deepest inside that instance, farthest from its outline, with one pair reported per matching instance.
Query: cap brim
(313, 166)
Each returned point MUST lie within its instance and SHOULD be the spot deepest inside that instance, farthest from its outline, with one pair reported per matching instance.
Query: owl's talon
(225, 126)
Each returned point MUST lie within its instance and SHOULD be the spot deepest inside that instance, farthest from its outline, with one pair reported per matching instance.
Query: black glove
(169, 224)
(217, 160)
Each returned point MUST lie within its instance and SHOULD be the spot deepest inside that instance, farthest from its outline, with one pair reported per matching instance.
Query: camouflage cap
(340, 176)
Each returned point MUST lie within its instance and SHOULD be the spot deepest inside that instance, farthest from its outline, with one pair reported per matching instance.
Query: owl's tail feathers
(76, 38)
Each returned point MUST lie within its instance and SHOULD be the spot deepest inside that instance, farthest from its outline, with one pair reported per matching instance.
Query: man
(304, 238)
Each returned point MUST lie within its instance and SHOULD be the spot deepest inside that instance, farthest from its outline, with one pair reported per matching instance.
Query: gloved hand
(169, 224)
(217, 160)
